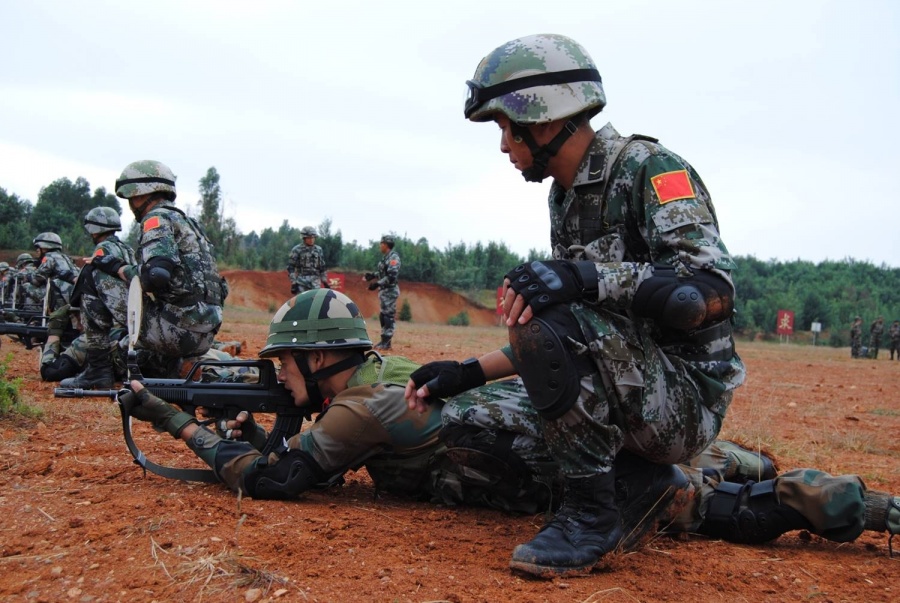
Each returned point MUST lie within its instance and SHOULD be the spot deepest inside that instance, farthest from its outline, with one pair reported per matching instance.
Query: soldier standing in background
(895, 339)
(856, 337)
(55, 267)
(306, 266)
(175, 263)
(102, 299)
(386, 279)
(875, 332)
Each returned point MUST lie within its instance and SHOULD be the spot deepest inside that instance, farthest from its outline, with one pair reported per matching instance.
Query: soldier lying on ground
(484, 448)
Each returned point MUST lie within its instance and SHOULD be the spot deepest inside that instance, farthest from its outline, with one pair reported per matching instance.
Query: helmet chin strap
(312, 378)
(541, 155)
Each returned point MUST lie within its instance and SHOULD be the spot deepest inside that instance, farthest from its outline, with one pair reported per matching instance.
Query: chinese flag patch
(98, 253)
(672, 186)
(151, 223)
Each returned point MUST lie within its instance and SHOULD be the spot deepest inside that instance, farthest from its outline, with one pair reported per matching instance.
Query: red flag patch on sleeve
(99, 252)
(151, 223)
(672, 186)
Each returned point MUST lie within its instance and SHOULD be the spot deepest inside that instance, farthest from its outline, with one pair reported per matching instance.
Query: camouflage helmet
(388, 239)
(4, 266)
(308, 231)
(145, 177)
(535, 79)
(24, 258)
(316, 319)
(101, 220)
(47, 241)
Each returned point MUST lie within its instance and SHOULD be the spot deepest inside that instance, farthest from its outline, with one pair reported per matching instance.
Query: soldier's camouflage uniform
(389, 291)
(659, 393)
(72, 359)
(875, 332)
(834, 505)
(856, 339)
(181, 321)
(59, 269)
(29, 296)
(104, 298)
(895, 339)
(306, 267)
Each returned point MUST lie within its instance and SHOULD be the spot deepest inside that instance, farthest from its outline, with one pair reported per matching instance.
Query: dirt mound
(430, 304)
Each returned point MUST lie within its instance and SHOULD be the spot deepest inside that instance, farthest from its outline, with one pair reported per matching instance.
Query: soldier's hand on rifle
(295, 288)
(230, 429)
(370, 275)
(143, 405)
(373, 286)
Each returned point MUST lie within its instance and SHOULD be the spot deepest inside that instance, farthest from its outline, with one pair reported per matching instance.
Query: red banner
(785, 323)
(336, 281)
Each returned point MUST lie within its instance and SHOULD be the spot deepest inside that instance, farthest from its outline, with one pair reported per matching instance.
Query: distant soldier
(306, 266)
(54, 266)
(386, 279)
(102, 299)
(895, 339)
(856, 337)
(875, 332)
(27, 296)
(4, 281)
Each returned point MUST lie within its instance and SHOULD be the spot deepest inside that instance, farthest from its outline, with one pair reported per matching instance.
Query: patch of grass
(11, 402)
(885, 412)
(460, 320)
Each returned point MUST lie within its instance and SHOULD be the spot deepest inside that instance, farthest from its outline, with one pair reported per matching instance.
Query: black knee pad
(550, 371)
(61, 368)
(749, 514)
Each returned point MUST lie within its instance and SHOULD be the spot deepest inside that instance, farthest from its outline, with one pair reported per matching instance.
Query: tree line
(831, 292)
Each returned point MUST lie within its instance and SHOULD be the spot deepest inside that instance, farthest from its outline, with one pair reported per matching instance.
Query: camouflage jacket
(111, 290)
(389, 270)
(633, 203)
(59, 269)
(307, 261)
(197, 291)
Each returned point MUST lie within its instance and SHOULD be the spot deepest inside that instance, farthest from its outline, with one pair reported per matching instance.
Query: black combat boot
(385, 343)
(749, 514)
(586, 527)
(97, 374)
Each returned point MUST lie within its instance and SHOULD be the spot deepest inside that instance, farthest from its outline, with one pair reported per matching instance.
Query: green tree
(210, 206)
(15, 215)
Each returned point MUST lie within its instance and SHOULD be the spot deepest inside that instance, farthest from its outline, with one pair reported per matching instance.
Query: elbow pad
(292, 474)
(684, 303)
(156, 274)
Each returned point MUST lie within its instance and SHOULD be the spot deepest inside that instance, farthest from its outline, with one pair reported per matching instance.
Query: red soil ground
(79, 522)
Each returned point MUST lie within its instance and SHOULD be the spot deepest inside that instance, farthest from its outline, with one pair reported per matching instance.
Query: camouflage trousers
(623, 391)
(77, 351)
(164, 332)
(856, 347)
(388, 298)
(308, 282)
(97, 321)
(874, 344)
(832, 504)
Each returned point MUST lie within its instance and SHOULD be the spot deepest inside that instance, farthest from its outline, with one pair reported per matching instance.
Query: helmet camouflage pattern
(319, 318)
(308, 231)
(101, 220)
(48, 241)
(4, 266)
(535, 79)
(389, 239)
(145, 177)
(24, 258)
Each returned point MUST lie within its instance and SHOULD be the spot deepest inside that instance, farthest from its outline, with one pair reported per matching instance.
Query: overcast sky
(353, 111)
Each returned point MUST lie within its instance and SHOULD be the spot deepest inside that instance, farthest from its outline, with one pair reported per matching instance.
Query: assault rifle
(33, 335)
(220, 399)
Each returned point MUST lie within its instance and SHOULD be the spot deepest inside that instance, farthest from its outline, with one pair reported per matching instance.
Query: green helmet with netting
(101, 220)
(145, 177)
(24, 258)
(535, 79)
(308, 231)
(317, 319)
(47, 241)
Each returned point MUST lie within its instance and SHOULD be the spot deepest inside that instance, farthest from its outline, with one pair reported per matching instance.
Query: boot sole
(547, 572)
